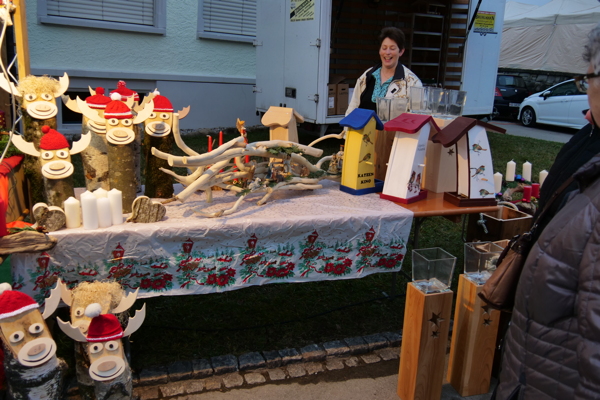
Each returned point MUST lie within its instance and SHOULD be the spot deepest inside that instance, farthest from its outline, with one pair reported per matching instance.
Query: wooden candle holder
(473, 341)
(424, 342)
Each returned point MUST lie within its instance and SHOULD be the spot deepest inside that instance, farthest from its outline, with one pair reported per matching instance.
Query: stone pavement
(360, 368)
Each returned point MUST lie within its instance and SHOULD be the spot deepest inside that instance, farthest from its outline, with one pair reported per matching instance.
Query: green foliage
(12, 150)
(284, 150)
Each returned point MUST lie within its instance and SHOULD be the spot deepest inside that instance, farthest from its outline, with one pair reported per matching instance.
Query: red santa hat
(124, 91)
(104, 327)
(117, 109)
(161, 103)
(99, 100)
(13, 302)
(52, 140)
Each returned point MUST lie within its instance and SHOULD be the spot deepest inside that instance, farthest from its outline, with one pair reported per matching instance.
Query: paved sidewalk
(542, 132)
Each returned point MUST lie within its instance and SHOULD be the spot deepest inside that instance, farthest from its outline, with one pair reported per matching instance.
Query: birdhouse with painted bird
(404, 174)
(358, 168)
(475, 172)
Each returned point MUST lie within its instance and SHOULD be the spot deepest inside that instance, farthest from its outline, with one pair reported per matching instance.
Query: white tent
(549, 37)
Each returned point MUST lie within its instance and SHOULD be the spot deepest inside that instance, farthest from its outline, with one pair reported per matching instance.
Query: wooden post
(121, 173)
(157, 183)
(424, 342)
(473, 341)
(21, 38)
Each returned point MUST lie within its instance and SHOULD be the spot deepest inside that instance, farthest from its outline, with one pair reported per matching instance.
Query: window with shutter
(227, 19)
(132, 15)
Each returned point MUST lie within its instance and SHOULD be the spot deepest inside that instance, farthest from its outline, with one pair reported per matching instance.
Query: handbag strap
(558, 192)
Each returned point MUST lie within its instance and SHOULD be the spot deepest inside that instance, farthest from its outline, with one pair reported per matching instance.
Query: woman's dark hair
(393, 33)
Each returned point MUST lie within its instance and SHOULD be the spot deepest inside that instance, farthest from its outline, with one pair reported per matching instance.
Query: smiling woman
(387, 79)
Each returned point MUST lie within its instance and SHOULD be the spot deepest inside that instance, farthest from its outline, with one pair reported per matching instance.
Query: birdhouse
(440, 164)
(358, 168)
(475, 174)
(407, 158)
(282, 123)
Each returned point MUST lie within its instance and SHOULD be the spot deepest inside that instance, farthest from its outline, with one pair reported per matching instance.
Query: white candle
(116, 206)
(527, 171)
(73, 212)
(510, 171)
(100, 193)
(89, 210)
(104, 213)
(543, 175)
(497, 182)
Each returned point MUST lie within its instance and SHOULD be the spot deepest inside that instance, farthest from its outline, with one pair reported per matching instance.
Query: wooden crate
(502, 224)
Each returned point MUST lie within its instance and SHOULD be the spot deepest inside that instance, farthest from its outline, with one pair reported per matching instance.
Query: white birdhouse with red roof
(405, 167)
(475, 173)
(282, 123)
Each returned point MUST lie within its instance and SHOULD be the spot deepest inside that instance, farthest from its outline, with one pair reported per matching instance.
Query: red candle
(535, 190)
(527, 194)
(220, 138)
(3, 230)
(209, 143)
(247, 159)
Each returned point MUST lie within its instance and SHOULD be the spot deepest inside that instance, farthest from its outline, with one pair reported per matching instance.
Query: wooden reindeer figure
(108, 365)
(36, 95)
(110, 297)
(158, 128)
(95, 156)
(55, 161)
(120, 136)
(32, 369)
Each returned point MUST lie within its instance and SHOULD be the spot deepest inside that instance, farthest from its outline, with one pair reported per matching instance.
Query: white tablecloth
(296, 237)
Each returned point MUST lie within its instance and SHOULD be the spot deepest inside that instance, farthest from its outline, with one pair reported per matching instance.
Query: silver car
(561, 105)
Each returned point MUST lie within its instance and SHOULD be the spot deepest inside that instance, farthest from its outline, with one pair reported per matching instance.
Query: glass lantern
(390, 108)
(432, 269)
(480, 260)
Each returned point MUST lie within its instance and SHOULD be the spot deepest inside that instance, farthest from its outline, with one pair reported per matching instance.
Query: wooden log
(56, 191)
(95, 160)
(32, 132)
(424, 342)
(138, 129)
(473, 341)
(157, 184)
(34, 383)
(26, 241)
(121, 159)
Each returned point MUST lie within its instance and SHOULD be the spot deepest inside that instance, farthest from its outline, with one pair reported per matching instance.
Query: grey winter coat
(553, 344)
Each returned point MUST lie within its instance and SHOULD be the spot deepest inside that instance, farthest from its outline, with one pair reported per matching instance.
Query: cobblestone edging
(227, 372)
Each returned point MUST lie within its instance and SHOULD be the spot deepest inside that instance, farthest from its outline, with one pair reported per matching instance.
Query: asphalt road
(543, 132)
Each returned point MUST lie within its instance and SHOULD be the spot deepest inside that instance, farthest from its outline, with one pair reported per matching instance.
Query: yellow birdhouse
(358, 168)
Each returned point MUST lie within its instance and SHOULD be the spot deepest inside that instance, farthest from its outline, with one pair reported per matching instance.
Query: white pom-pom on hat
(4, 286)
(115, 96)
(93, 310)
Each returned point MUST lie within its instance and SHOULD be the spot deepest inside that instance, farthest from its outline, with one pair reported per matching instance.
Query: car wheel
(528, 116)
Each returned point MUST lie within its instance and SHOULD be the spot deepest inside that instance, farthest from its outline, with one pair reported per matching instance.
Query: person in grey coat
(552, 348)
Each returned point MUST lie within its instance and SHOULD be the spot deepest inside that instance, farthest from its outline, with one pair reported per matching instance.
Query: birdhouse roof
(280, 116)
(359, 118)
(460, 126)
(410, 123)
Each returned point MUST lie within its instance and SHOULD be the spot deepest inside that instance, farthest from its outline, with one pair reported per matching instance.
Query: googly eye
(127, 122)
(79, 311)
(46, 96)
(113, 121)
(164, 116)
(30, 97)
(96, 348)
(62, 154)
(16, 337)
(152, 115)
(47, 155)
(36, 328)
(112, 345)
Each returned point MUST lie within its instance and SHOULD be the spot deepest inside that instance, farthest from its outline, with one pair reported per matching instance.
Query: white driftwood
(178, 140)
(311, 151)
